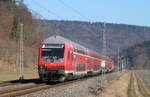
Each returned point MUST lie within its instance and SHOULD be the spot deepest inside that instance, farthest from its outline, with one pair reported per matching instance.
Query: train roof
(56, 39)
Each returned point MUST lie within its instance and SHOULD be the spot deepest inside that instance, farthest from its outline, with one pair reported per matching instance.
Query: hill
(90, 34)
(139, 55)
(12, 14)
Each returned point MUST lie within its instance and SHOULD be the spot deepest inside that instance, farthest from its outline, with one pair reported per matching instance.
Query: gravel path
(90, 87)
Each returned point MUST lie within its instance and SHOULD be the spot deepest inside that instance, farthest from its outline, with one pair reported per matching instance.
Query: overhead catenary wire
(66, 5)
(48, 10)
(74, 10)
(38, 17)
(34, 12)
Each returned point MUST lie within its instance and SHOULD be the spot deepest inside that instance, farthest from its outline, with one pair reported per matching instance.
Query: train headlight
(42, 67)
(43, 46)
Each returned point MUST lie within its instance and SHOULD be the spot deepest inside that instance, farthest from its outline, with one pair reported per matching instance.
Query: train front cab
(51, 62)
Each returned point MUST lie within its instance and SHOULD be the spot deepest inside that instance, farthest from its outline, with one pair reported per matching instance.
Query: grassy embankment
(6, 76)
(145, 76)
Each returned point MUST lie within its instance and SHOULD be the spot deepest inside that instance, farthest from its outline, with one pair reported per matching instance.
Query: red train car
(61, 59)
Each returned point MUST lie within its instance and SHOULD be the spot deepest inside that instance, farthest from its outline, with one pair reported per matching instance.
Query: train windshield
(53, 54)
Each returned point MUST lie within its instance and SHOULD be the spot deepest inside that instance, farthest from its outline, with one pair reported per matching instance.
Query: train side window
(86, 61)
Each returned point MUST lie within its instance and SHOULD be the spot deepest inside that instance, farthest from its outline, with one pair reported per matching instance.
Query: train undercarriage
(52, 75)
(61, 76)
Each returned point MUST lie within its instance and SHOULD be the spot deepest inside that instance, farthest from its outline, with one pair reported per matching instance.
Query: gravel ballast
(90, 87)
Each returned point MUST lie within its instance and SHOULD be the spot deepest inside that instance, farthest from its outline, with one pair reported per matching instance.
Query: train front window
(52, 54)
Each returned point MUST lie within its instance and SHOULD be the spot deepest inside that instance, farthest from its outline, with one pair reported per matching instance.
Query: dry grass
(118, 88)
(6, 76)
(145, 76)
(11, 72)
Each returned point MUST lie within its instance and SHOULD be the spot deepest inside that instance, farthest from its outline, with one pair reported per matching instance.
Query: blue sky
(135, 12)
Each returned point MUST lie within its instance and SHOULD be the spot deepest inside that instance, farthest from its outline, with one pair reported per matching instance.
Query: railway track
(22, 90)
(26, 89)
(5, 84)
(16, 82)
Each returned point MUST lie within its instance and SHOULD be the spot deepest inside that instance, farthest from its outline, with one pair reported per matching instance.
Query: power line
(38, 16)
(34, 12)
(75, 10)
(49, 11)
(66, 5)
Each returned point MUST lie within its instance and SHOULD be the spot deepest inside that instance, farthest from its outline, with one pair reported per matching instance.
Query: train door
(74, 63)
(103, 65)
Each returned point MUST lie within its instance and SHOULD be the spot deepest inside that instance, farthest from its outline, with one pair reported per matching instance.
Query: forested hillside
(139, 55)
(90, 34)
(12, 14)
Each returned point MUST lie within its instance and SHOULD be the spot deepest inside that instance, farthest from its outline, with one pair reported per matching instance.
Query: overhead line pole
(118, 59)
(104, 39)
(21, 44)
(103, 63)
(21, 58)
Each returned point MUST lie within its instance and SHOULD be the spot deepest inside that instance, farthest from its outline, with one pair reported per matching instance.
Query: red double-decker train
(61, 59)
